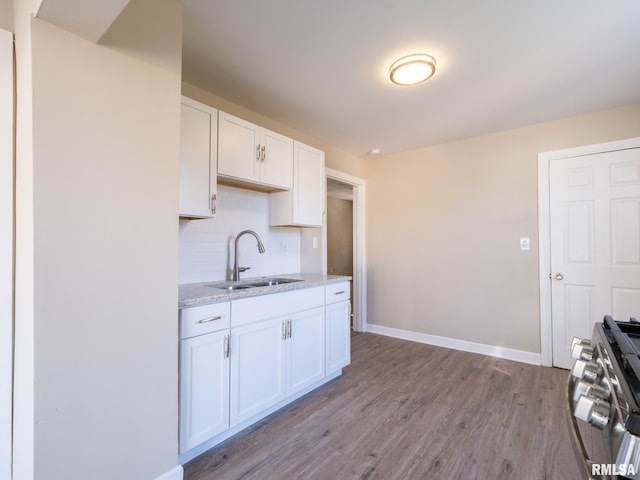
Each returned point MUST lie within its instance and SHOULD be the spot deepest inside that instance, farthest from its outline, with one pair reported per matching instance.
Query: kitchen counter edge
(194, 294)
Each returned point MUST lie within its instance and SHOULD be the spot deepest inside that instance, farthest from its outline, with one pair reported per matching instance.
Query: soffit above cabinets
(88, 19)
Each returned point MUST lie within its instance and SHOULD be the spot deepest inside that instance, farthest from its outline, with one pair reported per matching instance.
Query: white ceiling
(321, 66)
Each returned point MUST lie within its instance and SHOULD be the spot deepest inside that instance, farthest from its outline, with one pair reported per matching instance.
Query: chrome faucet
(236, 268)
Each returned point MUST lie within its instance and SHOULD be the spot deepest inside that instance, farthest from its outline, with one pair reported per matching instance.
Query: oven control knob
(586, 370)
(580, 341)
(587, 389)
(592, 411)
(581, 388)
(582, 352)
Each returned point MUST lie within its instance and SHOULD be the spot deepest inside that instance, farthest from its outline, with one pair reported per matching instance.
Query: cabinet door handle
(284, 329)
(227, 350)
(289, 328)
(258, 152)
(264, 153)
(339, 293)
(207, 320)
(214, 203)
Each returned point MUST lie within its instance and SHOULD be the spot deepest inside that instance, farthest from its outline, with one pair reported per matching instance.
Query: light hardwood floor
(404, 410)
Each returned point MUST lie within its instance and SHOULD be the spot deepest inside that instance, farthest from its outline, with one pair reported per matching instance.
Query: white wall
(97, 211)
(24, 370)
(6, 15)
(6, 250)
(444, 224)
(207, 245)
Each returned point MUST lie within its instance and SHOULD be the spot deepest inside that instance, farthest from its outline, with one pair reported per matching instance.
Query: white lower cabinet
(304, 349)
(273, 359)
(204, 392)
(241, 360)
(257, 368)
(338, 326)
(204, 374)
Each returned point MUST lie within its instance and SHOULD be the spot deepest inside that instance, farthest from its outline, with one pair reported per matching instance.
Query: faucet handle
(243, 269)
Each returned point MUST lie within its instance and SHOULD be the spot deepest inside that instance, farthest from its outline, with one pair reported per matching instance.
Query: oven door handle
(578, 444)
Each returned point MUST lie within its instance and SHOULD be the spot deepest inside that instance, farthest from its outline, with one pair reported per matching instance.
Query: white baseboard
(176, 473)
(465, 346)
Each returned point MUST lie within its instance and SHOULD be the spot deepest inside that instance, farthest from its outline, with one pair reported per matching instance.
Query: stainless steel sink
(230, 286)
(265, 282)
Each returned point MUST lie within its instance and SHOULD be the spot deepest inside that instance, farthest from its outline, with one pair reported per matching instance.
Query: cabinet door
(257, 368)
(204, 388)
(305, 349)
(309, 186)
(239, 154)
(198, 159)
(304, 205)
(338, 336)
(276, 166)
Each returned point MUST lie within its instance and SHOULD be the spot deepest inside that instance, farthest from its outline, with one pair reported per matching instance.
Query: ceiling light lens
(412, 69)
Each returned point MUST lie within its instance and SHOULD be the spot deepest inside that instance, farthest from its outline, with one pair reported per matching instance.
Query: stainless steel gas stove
(604, 399)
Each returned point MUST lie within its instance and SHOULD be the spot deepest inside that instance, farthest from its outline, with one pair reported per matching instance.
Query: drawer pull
(207, 320)
(339, 293)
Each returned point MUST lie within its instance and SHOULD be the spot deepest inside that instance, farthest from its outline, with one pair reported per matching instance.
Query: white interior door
(595, 243)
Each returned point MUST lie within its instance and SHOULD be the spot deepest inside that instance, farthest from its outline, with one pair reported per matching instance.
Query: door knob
(559, 276)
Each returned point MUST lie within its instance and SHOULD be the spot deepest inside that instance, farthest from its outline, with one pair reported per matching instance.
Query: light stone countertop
(192, 294)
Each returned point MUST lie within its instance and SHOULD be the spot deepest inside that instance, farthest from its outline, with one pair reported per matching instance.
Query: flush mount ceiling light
(412, 69)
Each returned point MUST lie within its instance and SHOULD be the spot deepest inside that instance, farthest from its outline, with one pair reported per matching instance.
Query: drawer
(337, 292)
(249, 310)
(204, 319)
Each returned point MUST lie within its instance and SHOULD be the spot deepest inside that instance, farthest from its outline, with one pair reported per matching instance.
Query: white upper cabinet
(248, 153)
(198, 159)
(304, 205)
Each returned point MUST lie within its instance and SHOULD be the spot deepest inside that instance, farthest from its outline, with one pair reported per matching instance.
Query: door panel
(595, 243)
(257, 368)
(237, 141)
(625, 234)
(204, 389)
(579, 234)
(198, 133)
(277, 167)
(305, 350)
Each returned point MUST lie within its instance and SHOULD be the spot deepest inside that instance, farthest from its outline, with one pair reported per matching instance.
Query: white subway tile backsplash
(206, 245)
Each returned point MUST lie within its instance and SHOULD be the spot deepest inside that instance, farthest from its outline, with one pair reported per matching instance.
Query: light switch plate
(525, 244)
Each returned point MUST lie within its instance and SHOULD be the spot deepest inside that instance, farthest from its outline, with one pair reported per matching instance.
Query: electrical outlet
(525, 244)
(284, 248)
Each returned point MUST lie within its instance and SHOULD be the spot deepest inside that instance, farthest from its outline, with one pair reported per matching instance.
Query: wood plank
(405, 410)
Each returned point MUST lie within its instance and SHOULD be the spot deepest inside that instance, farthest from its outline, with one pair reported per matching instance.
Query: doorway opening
(340, 229)
(345, 238)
